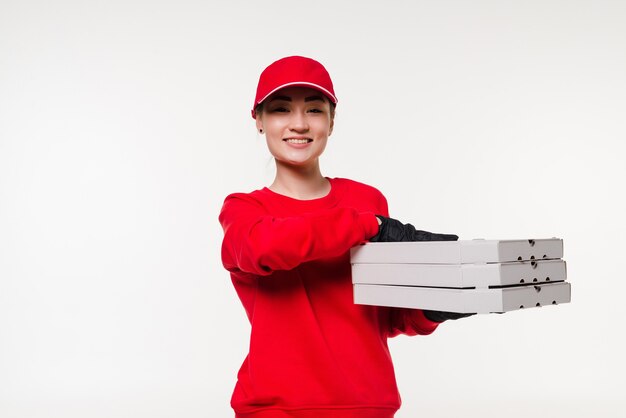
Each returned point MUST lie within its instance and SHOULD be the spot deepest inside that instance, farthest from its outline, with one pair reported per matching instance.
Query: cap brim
(297, 84)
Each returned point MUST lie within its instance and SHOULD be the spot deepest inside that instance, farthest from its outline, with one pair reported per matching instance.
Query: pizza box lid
(458, 252)
(463, 300)
(461, 275)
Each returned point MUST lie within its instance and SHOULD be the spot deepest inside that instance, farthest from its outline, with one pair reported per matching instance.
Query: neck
(304, 183)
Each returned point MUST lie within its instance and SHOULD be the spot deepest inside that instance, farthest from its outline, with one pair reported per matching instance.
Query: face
(297, 123)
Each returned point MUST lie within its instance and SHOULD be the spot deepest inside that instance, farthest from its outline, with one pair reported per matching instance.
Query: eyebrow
(306, 99)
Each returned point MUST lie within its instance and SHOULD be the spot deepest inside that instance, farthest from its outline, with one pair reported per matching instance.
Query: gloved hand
(392, 230)
(439, 316)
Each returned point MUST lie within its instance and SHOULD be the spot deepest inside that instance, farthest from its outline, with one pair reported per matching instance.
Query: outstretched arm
(258, 243)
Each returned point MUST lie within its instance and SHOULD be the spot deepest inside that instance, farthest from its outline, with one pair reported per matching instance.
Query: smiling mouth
(298, 140)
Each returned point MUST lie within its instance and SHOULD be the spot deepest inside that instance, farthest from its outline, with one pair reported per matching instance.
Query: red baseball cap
(293, 71)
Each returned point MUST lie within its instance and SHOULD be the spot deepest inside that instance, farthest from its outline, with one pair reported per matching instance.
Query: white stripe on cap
(300, 83)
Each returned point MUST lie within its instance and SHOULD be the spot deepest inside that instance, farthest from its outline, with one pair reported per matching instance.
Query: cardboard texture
(463, 300)
(477, 276)
(461, 275)
(458, 252)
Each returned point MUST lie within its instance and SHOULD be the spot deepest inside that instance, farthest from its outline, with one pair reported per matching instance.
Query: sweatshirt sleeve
(258, 243)
(410, 322)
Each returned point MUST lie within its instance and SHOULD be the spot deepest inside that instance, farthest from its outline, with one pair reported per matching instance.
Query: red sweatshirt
(313, 352)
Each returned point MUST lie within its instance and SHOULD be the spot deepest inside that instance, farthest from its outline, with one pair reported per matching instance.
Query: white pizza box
(463, 300)
(457, 252)
(461, 275)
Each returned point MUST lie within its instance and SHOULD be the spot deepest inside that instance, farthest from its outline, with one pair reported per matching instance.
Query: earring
(260, 131)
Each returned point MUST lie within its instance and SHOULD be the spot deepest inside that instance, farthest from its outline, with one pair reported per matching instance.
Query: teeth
(297, 141)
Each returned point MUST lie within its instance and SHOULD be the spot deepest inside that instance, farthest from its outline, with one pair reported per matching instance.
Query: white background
(124, 124)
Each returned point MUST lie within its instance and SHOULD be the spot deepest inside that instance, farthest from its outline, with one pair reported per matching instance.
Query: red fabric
(313, 352)
(290, 72)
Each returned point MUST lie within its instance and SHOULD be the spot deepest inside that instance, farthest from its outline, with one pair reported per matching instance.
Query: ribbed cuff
(370, 224)
(428, 326)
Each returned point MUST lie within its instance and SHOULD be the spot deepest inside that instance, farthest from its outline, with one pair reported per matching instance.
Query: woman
(313, 352)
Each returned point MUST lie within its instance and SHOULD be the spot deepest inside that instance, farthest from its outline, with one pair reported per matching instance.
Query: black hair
(259, 108)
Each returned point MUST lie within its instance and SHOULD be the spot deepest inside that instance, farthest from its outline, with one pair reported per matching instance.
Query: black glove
(439, 316)
(392, 230)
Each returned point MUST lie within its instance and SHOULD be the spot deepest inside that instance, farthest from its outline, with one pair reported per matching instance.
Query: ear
(259, 123)
(332, 125)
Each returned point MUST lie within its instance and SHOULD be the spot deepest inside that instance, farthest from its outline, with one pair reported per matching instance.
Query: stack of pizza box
(473, 276)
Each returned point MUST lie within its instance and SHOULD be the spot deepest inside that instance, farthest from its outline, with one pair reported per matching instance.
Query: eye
(279, 109)
(315, 110)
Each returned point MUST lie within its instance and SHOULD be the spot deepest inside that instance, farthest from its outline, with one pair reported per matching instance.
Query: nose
(298, 122)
